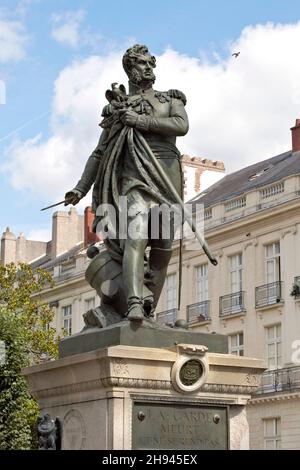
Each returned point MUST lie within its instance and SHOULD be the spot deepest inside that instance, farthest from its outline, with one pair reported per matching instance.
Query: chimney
(296, 136)
(21, 248)
(8, 247)
(67, 231)
(89, 236)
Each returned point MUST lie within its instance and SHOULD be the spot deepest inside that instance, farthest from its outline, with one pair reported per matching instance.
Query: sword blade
(53, 205)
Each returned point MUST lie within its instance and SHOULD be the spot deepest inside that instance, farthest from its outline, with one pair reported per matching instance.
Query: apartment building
(252, 223)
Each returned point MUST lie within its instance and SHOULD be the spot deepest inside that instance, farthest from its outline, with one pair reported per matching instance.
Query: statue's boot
(159, 259)
(133, 277)
(135, 310)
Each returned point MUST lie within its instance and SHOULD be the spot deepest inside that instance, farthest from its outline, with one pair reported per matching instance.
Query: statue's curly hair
(131, 55)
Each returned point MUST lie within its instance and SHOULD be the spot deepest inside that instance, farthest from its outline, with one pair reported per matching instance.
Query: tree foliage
(26, 337)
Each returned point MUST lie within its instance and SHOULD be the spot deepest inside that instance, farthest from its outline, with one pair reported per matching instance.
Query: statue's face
(143, 69)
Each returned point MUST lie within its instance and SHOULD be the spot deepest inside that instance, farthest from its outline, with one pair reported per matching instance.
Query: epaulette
(173, 93)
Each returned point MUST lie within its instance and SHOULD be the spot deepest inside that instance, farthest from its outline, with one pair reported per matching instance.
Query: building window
(236, 344)
(202, 283)
(273, 337)
(171, 291)
(272, 433)
(89, 304)
(236, 272)
(272, 252)
(67, 319)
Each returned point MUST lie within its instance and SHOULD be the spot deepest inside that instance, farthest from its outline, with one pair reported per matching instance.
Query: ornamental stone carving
(190, 370)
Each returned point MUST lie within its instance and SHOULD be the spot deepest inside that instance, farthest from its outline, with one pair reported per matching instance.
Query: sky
(57, 58)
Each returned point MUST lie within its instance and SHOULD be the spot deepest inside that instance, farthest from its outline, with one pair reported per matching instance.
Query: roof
(47, 262)
(252, 177)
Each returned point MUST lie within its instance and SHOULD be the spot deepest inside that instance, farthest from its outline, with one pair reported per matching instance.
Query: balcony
(231, 304)
(168, 317)
(198, 312)
(268, 294)
(279, 380)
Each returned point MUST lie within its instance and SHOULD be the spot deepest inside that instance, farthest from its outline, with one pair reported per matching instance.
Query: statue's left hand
(128, 117)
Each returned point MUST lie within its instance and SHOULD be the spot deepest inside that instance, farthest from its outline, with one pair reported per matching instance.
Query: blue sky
(40, 50)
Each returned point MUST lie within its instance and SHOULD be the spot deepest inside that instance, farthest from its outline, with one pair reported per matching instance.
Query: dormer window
(259, 173)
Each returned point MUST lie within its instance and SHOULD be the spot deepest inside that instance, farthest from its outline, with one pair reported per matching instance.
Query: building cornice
(60, 286)
(239, 226)
(260, 215)
(271, 398)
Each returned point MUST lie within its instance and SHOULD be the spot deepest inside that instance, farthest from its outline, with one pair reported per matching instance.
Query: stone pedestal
(133, 397)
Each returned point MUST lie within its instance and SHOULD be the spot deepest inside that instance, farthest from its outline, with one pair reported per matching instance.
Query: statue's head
(138, 63)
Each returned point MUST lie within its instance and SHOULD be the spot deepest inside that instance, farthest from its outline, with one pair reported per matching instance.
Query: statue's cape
(126, 142)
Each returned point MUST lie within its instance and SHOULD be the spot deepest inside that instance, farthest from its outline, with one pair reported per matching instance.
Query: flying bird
(235, 54)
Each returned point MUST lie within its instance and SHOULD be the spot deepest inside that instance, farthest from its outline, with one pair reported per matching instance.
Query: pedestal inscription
(175, 426)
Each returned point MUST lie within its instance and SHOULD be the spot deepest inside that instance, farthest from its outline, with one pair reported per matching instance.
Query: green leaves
(25, 329)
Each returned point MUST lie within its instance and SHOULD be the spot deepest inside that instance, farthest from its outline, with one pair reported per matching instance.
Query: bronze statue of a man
(137, 127)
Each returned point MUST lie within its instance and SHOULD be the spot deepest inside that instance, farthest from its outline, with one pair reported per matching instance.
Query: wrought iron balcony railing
(198, 312)
(268, 294)
(167, 317)
(279, 380)
(231, 304)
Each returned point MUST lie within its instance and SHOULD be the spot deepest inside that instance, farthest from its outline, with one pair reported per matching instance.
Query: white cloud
(67, 29)
(50, 168)
(41, 235)
(23, 7)
(13, 40)
(208, 178)
(240, 110)
(2, 92)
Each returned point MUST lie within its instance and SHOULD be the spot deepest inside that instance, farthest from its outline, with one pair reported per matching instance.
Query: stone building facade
(252, 223)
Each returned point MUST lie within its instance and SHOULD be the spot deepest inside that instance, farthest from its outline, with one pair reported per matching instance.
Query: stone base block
(149, 334)
(131, 397)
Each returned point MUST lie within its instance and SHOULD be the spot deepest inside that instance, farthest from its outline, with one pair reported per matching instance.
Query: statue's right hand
(72, 197)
